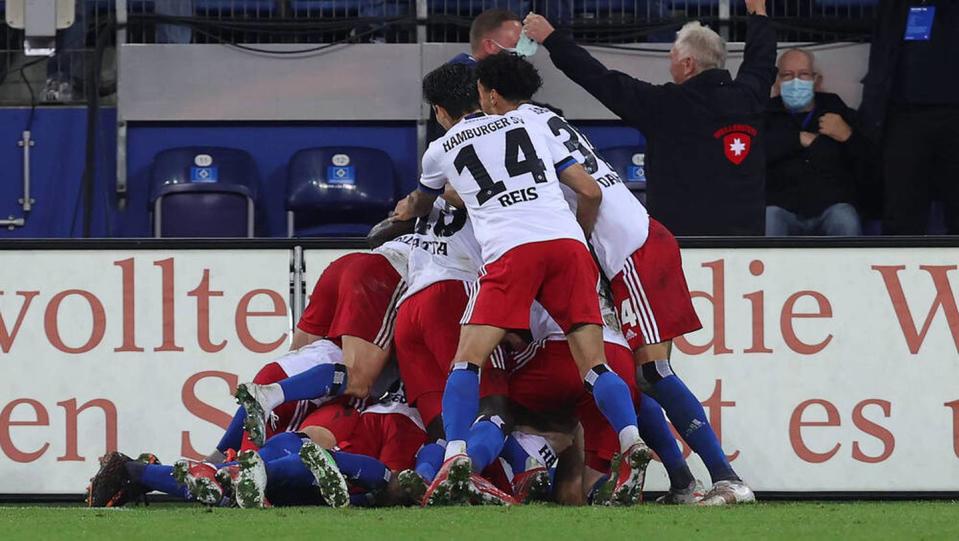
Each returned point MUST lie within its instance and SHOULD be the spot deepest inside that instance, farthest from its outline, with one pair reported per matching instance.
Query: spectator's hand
(805, 139)
(756, 7)
(537, 28)
(402, 212)
(832, 125)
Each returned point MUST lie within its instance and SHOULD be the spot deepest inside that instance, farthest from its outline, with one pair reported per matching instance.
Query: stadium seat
(226, 8)
(846, 3)
(474, 7)
(203, 192)
(338, 191)
(627, 161)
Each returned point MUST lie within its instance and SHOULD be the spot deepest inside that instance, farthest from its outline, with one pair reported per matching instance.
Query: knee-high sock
(319, 381)
(689, 418)
(429, 460)
(485, 442)
(233, 437)
(366, 472)
(281, 445)
(613, 397)
(157, 477)
(460, 405)
(655, 432)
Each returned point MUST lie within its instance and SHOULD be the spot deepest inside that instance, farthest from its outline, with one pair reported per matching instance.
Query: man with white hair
(705, 167)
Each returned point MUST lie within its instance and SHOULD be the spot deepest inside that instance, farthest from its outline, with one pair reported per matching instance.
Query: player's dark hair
(488, 22)
(452, 87)
(510, 75)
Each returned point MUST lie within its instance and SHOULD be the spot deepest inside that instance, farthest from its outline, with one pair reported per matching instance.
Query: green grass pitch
(812, 520)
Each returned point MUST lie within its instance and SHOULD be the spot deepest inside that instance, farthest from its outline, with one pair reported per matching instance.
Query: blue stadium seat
(203, 192)
(846, 3)
(474, 7)
(361, 8)
(627, 161)
(338, 191)
(262, 8)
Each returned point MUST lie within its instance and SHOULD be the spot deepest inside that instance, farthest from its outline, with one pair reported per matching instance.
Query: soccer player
(634, 251)
(508, 174)
(353, 309)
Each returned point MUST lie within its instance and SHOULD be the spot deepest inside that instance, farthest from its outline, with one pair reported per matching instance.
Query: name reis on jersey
(506, 171)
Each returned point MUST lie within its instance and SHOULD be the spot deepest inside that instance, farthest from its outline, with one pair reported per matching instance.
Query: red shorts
(427, 333)
(355, 296)
(560, 274)
(651, 295)
(550, 382)
(288, 414)
(340, 417)
(391, 438)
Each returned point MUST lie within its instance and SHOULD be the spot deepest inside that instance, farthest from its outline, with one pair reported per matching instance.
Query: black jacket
(704, 153)
(886, 62)
(809, 180)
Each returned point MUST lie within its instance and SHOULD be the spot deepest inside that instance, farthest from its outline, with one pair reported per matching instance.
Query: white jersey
(397, 252)
(394, 402)
(506, 171)
(623, 223)
(443, 248)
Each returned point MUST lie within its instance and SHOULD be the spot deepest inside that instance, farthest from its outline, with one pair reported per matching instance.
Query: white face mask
(525, 47)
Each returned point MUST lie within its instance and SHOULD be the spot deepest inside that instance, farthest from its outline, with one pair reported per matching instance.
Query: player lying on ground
(634, 251)
(288, 469)
(352, 308)
(533, 248)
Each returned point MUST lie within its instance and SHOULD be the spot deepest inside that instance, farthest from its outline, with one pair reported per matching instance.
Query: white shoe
(248, 395)
(686, 496)
(250, 487)
(326, 475)
(728, 493)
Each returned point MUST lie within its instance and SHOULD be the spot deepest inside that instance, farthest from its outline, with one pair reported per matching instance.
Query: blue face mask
(797, 94)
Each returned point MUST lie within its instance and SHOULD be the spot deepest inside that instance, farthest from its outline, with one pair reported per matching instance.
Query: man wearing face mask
(814, 154)
(492, 32)
(705, 164)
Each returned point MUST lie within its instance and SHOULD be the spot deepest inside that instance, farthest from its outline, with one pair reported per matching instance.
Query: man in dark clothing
(705, 162)
(491, 32)
(911, 104)
(814, 155)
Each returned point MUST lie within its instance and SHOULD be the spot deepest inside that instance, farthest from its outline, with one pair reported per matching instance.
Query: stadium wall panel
(826, 369)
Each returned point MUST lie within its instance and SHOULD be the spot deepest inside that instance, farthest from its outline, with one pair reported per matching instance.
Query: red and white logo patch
(737, 141)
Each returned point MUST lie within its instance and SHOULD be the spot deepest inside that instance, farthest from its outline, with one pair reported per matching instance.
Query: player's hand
(537, 28)
(806, 138)
(403, 211)
(832, 125)
(756, 7)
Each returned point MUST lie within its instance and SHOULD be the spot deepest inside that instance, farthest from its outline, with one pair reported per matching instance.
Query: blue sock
(689, 418)
(319, 381)
(367, 472)
(485, 442)
(280, 445)
(519, 459)
(460, 401)
(157, 477)
(613, 398)
(288, 472)
(655, 432)
(429, 460)
(233, 437)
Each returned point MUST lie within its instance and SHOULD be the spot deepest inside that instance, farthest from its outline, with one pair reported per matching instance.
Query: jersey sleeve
(559, 155)
(432, 179)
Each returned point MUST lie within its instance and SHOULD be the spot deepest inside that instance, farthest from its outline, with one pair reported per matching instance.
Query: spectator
(814, 155)
(911, 104)
(705, 163)
(65, 70)
(491, 32)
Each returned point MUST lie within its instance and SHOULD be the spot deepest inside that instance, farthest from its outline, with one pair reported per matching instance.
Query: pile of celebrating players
(507, 340)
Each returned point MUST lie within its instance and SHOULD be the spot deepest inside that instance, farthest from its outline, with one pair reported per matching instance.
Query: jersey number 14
(517, 140)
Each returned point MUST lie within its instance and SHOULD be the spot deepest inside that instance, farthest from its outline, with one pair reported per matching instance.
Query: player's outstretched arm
(588, 195)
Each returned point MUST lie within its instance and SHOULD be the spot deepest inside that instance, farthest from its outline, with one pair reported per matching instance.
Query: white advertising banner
(821, 369)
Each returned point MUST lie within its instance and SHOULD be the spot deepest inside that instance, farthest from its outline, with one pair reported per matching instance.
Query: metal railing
(60, 79)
